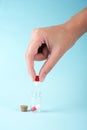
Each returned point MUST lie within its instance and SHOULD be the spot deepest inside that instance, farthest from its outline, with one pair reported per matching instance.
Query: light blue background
(64, 99)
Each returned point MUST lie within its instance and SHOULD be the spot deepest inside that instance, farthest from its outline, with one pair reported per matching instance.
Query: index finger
(30, 66)
(30, 57)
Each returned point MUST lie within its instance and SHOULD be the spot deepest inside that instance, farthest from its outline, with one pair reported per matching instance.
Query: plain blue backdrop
(64, 98)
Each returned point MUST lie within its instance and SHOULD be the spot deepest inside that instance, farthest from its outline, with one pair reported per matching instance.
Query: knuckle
(36, 30)
(38, 34)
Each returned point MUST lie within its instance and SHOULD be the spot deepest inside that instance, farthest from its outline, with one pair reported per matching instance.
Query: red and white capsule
(37, 80)
(34, 108)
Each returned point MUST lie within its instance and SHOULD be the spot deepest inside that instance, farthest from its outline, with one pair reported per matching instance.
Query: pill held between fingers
(37, 78)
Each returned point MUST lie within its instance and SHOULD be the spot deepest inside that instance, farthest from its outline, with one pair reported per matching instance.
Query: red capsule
(37, 78)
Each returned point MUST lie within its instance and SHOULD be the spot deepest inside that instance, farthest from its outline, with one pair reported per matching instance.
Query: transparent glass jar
(36, 95)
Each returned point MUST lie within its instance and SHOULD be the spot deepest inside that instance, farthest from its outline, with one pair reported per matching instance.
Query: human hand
(47, 44)
(51, 43)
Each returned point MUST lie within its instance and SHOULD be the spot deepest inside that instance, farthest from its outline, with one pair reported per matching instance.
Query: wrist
(77, 25)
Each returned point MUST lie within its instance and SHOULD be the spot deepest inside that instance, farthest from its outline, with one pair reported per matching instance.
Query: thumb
(49, 64)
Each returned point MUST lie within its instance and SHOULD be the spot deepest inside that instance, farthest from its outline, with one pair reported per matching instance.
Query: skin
(51, 43)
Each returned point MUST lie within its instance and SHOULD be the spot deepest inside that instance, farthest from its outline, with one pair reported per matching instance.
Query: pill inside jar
(36, 107)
